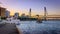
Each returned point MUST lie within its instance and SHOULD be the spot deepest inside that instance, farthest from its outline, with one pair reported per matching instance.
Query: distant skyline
(37, 6)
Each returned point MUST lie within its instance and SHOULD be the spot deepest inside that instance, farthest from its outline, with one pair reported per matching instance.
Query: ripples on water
(47, 27)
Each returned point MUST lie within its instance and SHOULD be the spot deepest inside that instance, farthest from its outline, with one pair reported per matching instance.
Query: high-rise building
(2, 11)
(7, 13)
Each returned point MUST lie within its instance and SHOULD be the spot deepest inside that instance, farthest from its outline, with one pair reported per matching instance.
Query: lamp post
(0, 11)
(0, 3)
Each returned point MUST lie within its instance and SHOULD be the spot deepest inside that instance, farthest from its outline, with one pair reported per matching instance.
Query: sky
(37, 6)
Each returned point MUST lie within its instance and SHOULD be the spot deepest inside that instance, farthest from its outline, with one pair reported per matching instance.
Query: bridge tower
(30, 12)
(45, 13)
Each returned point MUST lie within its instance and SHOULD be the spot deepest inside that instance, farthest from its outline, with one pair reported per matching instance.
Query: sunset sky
(37, 6)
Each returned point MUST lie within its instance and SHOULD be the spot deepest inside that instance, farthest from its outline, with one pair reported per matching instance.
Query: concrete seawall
(8, 29)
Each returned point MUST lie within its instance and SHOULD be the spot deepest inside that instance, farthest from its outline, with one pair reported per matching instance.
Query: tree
(23, 15)
(37, 15)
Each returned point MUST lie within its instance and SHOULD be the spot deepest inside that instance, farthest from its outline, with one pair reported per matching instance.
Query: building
(7, 13)
(16, 14)
(2, 11)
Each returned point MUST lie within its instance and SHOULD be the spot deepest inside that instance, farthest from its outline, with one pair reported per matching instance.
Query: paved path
(8, 29)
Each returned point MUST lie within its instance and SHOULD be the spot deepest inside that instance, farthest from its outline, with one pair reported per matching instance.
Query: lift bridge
(50, 17)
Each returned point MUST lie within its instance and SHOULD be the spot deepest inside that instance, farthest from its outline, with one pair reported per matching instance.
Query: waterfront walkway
(8, 29)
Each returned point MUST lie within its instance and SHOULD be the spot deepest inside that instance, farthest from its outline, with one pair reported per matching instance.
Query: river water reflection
(32, 27)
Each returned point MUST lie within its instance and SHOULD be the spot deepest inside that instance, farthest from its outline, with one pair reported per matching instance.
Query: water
(32, 27)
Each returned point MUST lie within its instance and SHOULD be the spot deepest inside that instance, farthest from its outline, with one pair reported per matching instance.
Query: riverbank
(8, 29)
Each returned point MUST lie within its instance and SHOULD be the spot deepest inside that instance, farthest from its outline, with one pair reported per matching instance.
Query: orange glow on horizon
(21, 12)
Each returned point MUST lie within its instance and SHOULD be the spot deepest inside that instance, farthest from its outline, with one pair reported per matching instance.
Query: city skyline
(37, 6)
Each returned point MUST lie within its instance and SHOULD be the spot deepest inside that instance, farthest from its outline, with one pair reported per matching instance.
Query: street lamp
(0, 4)
(0, 11)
